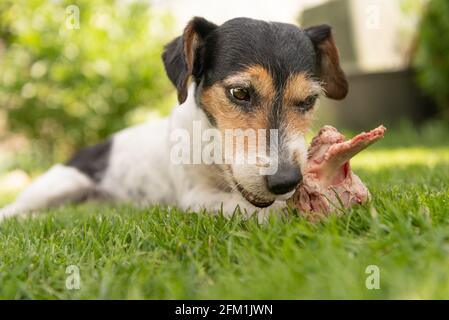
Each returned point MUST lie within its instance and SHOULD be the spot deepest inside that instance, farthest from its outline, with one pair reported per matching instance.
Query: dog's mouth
(253, 199)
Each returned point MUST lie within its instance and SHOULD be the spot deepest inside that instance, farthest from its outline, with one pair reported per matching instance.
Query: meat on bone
(328, 181)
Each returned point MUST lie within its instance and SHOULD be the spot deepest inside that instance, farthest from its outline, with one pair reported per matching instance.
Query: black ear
(181, 55)
(329, 70)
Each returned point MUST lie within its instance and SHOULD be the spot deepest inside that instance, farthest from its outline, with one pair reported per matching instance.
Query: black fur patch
(92, 160)
(281, 48)
(176, 56)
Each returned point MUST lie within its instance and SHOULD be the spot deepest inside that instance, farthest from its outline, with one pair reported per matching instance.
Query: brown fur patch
(335, 83)
(190, 42)
(230, 116)
(298, 88)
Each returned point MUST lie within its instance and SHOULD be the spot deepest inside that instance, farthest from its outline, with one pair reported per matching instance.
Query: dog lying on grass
(248, 75)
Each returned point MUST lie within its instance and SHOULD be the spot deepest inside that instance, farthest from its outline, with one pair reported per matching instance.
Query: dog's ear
(329, 70)
(181, 55)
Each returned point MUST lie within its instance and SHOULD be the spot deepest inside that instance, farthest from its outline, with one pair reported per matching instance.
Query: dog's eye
(307, 104)
(241, 94)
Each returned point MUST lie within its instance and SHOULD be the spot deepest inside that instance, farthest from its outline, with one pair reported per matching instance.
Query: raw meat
(328, 181)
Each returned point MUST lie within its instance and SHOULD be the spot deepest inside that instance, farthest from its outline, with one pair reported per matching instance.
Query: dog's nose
(284, 180)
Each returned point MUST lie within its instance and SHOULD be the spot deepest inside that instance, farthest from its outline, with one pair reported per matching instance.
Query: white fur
(58, 185)
(297, 142)
(140, 171)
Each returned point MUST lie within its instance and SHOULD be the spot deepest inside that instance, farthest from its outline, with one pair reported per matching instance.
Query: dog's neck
(190, 116)
(190, 112)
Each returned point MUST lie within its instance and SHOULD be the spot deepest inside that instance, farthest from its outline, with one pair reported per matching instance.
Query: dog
(246, 74)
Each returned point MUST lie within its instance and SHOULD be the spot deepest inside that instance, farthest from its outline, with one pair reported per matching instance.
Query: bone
(329, 184)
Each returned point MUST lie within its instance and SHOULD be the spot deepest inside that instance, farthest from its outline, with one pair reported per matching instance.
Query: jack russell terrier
(247, 75)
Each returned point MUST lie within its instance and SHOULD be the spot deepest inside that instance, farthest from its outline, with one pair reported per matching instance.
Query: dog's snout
(284, 180)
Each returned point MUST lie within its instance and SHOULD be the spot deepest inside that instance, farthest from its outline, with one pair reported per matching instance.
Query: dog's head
(252, 74)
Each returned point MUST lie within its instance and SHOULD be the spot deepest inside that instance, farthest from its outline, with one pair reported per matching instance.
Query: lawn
(125, 252)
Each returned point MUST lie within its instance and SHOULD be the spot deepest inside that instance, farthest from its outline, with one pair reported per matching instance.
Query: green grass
(124, 252)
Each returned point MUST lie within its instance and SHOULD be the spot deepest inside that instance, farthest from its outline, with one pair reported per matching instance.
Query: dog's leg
(61, 184)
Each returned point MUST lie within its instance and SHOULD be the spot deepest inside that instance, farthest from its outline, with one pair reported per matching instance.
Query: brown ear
(329, 70)
(180, 55)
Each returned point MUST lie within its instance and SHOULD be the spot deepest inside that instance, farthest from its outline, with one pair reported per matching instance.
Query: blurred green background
(432, 56)
(63, 86)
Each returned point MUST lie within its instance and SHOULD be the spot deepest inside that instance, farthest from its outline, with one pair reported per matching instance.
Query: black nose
(284, 180)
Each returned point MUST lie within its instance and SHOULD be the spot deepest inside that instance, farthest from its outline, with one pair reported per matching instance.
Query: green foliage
(76, 86)
(432, 57)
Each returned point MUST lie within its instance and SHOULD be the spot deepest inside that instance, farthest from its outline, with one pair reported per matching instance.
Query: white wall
(383, 34)
(219, 11)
